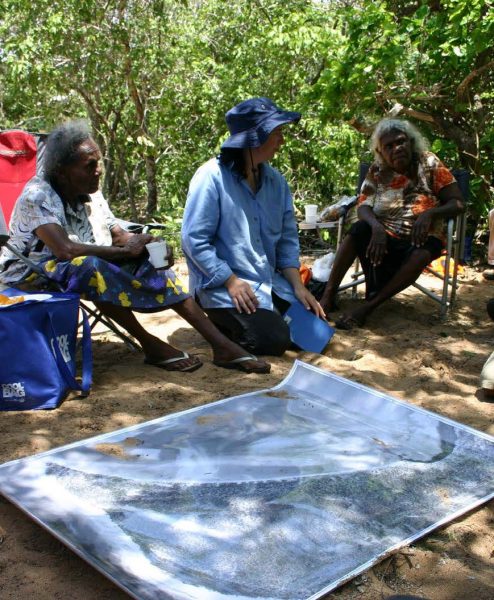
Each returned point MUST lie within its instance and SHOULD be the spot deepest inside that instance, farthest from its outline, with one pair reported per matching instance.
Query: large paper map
(280, 494)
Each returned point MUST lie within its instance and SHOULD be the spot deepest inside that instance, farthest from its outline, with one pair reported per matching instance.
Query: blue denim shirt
(228, 229)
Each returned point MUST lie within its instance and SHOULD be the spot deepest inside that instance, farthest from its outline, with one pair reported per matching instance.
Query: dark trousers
(262, 332)
(399, 252)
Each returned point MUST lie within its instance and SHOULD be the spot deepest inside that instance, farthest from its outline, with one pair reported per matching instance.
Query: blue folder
(309, 332)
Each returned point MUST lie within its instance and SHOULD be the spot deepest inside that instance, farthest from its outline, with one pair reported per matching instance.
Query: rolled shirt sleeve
(199, 228)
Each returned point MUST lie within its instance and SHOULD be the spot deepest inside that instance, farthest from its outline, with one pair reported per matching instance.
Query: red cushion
(17, 166)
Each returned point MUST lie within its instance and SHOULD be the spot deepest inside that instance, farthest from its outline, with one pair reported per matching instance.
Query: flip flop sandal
(168, 363)
(238, 363)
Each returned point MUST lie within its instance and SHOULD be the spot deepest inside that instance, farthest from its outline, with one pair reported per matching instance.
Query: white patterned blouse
(39, 204)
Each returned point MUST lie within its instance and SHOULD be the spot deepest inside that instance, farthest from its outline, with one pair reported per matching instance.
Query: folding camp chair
(21, 157)
(455, 247)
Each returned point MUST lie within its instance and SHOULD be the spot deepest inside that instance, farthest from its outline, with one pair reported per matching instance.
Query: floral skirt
(133, 284)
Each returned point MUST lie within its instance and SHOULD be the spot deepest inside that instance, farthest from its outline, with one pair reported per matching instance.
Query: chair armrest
(129, 226)
(139, 227)
(149, 226)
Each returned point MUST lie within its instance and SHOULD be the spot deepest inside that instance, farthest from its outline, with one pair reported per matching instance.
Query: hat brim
(257, 136)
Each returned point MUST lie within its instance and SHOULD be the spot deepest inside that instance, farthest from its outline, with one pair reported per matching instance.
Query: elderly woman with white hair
(403, 202)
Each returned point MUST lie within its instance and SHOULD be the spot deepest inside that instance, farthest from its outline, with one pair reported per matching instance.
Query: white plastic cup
(311, 213)
(157, 254)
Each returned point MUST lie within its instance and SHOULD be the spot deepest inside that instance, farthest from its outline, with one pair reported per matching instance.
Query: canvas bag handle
(87, 358)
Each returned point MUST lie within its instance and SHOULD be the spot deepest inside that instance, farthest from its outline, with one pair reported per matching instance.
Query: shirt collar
(266, 172)
(80, 206)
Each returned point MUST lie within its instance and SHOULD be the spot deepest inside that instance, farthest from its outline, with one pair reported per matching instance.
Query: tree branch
(398, 109)
(462, 90)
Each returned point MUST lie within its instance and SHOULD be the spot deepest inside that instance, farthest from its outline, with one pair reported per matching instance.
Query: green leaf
(436, 145)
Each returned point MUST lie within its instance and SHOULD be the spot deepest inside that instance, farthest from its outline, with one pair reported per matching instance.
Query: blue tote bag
(38, 339)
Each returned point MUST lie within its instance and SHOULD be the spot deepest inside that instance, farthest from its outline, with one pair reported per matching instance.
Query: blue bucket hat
(251, 122)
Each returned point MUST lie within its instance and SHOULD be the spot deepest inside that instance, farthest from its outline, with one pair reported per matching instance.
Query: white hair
(385, 126)
(62, 146)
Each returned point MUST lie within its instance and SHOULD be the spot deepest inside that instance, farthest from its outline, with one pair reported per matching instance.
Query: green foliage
(432, 62)
(155, 78)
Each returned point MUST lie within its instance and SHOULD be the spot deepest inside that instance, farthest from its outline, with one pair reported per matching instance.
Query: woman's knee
(269, 335)
(263, 332)
(272, 343)
(360, 228)
(360, 233)
(93, 263)
(421, 257)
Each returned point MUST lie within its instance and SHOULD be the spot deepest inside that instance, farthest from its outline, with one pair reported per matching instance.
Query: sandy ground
(404, 350)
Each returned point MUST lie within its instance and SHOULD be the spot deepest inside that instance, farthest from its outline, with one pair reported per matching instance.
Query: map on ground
(279, 494)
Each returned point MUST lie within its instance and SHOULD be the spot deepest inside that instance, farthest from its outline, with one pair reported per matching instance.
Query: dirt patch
(114, 450)
(132, 442)
(404, 350)
(281, 394)
(213, 419)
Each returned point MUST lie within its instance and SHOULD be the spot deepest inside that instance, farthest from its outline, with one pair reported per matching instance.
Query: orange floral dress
(397, 200)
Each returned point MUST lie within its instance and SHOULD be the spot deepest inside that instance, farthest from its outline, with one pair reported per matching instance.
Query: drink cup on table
(311, 213)
(158, 254)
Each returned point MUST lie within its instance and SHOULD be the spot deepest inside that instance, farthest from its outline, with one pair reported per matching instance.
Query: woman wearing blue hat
(239, 233)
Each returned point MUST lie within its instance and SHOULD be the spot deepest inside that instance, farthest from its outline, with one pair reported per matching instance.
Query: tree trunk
(152, 203)
(149, 156)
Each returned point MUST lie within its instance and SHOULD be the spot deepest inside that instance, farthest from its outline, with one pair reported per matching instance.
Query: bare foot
(353, 319)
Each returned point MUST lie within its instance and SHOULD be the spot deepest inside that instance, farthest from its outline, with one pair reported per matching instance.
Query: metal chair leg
(99, 317)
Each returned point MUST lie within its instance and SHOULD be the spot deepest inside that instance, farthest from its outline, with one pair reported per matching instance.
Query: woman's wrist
(124, 252)
(298, 286)
(230, 281)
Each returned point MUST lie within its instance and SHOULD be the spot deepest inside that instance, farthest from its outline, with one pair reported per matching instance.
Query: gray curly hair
(385, 126)
(62, 145)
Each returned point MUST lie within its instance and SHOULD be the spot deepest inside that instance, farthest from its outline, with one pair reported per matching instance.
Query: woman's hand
(377, 247)
(292, 275)
(307, 299)
(135, 244)
(420, 229)
(242, 295)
